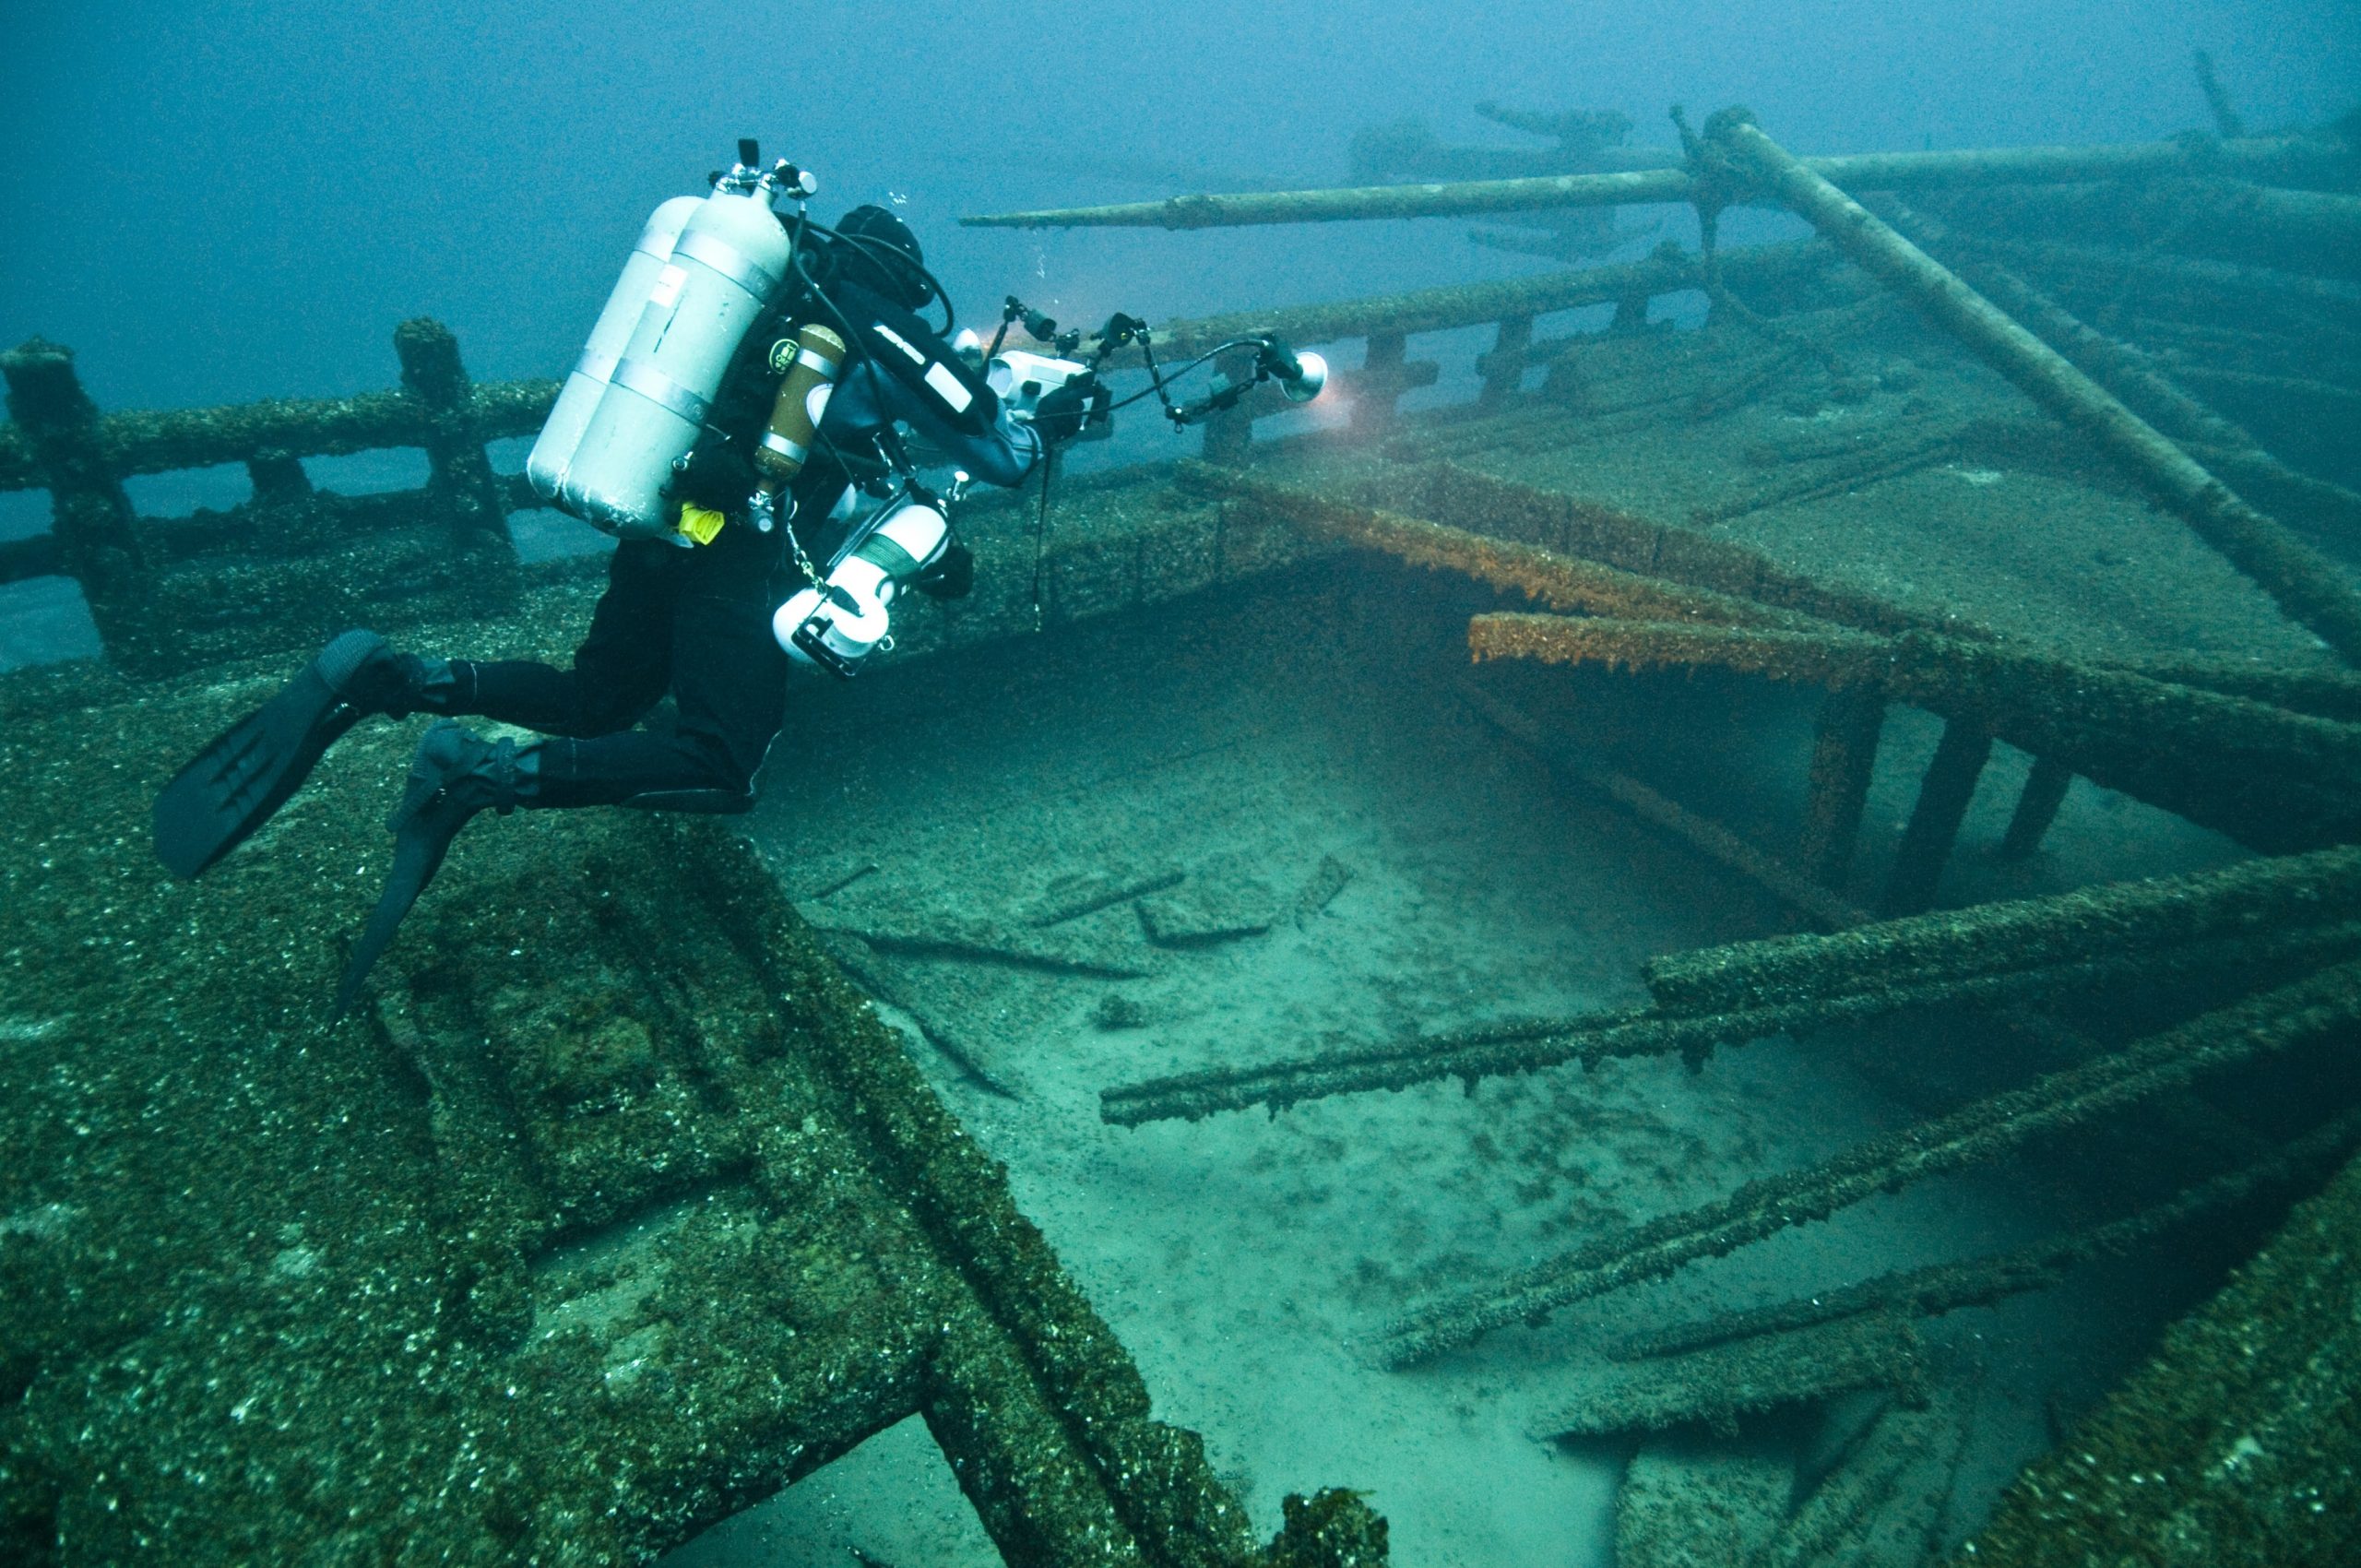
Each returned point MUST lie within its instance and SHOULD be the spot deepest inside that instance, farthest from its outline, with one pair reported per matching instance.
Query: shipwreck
(620, 1207)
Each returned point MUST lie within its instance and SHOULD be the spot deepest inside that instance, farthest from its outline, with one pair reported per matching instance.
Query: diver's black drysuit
(697, 621)
(692, 619)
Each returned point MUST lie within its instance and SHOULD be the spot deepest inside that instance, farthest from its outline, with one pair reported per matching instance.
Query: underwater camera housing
(1022, 379)
(839, 621)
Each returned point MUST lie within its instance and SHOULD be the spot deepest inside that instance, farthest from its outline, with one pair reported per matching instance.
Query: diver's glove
(1060, 413)
(951, 574)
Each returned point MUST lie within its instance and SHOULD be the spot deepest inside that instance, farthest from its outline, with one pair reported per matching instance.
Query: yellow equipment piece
(700, 525)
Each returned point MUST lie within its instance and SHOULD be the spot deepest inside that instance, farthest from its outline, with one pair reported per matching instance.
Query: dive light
(1300, 376)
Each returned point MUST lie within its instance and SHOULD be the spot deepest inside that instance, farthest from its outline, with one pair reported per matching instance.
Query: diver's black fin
(237, 783)
(418, 849)
(437, 803)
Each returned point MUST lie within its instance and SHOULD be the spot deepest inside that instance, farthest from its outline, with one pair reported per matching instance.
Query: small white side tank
(730, 260)
(562, 435)
(840, 630)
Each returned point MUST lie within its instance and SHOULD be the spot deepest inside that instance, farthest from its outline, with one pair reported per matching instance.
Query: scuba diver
(737, 421)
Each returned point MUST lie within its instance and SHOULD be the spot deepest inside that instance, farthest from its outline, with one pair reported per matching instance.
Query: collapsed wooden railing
(1734, 164)
(293, 560)
(296, 561)
(305, 561)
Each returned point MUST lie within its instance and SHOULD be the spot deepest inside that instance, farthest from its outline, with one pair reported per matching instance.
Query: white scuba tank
(840, 630)
(562, 433)
(730, 260)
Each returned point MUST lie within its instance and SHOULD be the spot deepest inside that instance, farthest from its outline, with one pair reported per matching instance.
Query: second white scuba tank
(729, 261)
(562, 433)
(837, 629)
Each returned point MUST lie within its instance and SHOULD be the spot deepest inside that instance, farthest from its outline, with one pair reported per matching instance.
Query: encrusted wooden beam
(2253, 897)
(1534, 1044)
(1944, 793)
(2037, 802)
(1979, 1282)
(1716, 1385)
(1844, 760)
(1865, 171)
(2273, 779)
(2309, 587)
(98, 538)
(2323, 1006)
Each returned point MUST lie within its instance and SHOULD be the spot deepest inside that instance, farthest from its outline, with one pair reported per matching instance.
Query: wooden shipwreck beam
(2257, 918)
(2309, 587)
(1716, 1385)
(2323, 1006)
(2235, 1443)
(2254, 158)
(1980, 1282)
(2163, 743)
(2245, 899)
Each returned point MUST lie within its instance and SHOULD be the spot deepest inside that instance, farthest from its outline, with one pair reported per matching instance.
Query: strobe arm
(1299, 377)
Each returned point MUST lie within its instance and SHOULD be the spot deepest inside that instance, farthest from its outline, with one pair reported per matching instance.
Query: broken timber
(1866, 172)
(2252, 918)
(1716, 1385)
(1979, 1282)
(978, 943)
(2308, 587)
(2323, 1006)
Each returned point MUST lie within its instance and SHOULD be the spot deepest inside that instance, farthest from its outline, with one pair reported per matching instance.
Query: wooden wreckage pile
(618, 1211)
(2237, 1443)
(541, 1274)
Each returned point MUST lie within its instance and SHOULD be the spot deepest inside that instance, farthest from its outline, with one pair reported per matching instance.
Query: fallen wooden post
(2133, 376)
(2250, 898)
(2321, 1006)
(2287, 781)
(1718, 1384)
(2306, 586)
(2261, 157)
(964, 1052)
(976, 942)
(1070, 899)
(1979, 1282)
(1534, 1044)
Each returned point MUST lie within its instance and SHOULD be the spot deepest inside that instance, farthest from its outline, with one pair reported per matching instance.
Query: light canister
(809, 363)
